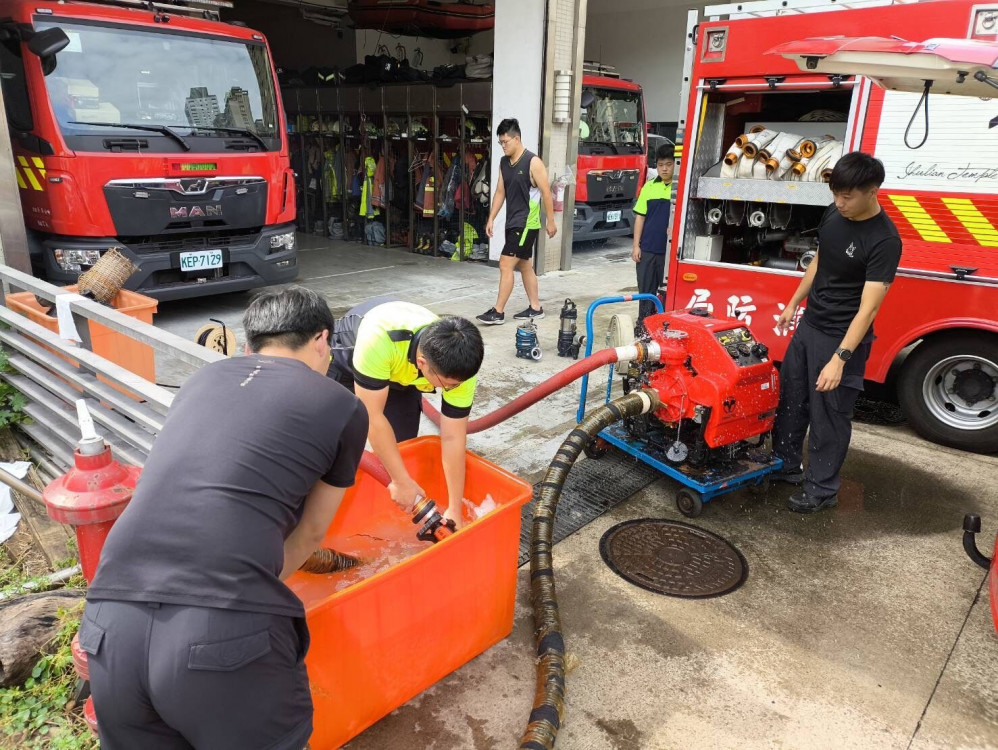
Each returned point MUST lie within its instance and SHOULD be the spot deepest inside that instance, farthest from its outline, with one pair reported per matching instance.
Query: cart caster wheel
(596, 448)
(689, 503)
(762, 488)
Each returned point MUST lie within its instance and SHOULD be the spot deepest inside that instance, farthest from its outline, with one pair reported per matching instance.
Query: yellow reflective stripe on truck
(29, 173)
(919, 218)
(973, 220)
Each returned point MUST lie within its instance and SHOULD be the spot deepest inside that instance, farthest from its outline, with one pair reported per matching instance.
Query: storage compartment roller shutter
(961, 67)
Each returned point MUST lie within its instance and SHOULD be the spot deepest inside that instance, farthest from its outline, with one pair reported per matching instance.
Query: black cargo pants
(651, 272)
(169, 677)
(828, 414)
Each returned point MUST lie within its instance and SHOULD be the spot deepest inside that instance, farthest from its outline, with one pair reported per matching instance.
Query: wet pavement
(863, 626)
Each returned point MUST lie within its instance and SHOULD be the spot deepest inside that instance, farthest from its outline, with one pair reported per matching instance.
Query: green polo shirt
(385, 352)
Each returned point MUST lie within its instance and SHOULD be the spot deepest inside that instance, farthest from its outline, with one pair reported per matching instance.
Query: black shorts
(520, 243)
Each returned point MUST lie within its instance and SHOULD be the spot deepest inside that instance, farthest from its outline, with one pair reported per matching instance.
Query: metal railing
(53, 373)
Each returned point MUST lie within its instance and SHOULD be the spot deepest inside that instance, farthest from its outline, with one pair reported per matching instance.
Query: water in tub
(379, 547)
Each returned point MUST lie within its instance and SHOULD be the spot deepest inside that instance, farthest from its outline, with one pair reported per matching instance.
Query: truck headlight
(285, 240)
(74, 260)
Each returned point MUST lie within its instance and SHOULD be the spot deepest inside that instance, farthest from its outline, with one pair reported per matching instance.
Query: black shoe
(491, 318)
(788, 474)
(801, 502)
(529, 314)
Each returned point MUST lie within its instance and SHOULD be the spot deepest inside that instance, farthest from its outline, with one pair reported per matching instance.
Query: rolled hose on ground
(549, 698)
(638, 351)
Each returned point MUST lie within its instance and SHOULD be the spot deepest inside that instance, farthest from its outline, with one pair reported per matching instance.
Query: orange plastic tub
(113, 346)
(382, 633)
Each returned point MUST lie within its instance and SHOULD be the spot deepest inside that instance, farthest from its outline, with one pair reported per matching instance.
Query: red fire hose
(638, 351)
(535, 394)
(373, 466)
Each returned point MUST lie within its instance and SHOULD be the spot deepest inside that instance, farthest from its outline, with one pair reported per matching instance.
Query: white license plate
(612, 216)
(202, 260)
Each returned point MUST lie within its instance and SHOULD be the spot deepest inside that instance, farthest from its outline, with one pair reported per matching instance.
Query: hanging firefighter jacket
(367, 207)
(380, 198)
(451, 182)
(332, 174)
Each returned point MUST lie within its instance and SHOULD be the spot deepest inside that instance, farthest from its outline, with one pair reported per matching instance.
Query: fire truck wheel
(949, 391)
(689, 503)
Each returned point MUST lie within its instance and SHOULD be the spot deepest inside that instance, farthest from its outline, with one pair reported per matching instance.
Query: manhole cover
(673, 558)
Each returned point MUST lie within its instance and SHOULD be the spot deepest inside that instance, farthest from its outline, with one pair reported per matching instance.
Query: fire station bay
(275, 473)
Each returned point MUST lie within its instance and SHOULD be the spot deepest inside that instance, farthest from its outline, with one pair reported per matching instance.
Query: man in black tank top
(523, 184)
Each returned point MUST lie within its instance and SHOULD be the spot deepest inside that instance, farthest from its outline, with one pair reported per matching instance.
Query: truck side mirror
(48, 43)
(588, 97)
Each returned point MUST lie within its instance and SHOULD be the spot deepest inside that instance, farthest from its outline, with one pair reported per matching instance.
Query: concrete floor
(864, 626)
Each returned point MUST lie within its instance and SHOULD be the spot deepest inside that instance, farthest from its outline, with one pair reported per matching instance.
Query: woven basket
(107, 277)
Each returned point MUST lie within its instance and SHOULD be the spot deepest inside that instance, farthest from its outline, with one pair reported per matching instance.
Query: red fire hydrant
(90, 497)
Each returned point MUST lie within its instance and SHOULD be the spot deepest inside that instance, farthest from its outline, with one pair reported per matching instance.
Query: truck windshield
(205, 87)
(612, 118)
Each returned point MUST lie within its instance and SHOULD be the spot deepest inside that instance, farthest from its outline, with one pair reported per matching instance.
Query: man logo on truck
(195, 212)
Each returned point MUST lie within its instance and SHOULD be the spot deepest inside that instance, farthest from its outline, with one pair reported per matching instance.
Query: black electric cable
(923, 103)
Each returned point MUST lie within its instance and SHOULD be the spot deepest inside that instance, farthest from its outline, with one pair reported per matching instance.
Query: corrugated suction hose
(549, 698)
(325, 560)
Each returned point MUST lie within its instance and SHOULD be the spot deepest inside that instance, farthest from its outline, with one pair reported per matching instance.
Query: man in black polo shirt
(822, 373)
(193, 640)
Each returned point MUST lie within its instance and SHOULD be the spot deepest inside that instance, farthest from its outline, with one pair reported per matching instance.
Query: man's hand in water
(456, 516)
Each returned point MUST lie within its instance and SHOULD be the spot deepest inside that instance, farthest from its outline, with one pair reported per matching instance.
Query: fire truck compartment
(769, 223)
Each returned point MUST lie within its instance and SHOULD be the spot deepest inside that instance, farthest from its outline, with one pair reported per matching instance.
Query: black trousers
(651, 273)
(170, 677)
(829, 414)
(402, 410)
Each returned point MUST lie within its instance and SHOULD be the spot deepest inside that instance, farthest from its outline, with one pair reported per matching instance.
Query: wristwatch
(844, 354)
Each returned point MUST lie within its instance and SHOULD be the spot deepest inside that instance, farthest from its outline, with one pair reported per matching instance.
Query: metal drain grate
(673, 558)
(592, 488)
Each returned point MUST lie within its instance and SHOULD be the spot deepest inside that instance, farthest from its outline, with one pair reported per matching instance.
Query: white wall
(517, 84)
(647, 47)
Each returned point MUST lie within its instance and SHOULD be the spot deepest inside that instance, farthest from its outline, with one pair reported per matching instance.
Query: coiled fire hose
(549, 697)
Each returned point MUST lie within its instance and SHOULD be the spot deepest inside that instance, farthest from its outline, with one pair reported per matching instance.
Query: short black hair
(856, 171)
(510, 126)
(453, 346)
(289, 318)
(665, 151)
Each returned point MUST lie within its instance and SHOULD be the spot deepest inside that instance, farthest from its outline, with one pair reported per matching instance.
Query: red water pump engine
(716, 383)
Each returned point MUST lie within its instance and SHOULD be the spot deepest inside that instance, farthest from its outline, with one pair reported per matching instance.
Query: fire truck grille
(184, 243)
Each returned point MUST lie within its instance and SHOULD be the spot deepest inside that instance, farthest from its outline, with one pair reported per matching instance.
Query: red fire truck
(610, 168)
(151, 128)
(743, 232)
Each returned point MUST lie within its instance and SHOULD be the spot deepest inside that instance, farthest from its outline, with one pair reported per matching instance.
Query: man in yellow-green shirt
(390, 353)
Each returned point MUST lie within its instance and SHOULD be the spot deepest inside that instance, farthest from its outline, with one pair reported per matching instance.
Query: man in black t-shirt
(193, 639)
(822, 373)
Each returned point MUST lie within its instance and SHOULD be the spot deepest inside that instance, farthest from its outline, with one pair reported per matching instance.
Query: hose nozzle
(435, 528)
